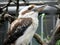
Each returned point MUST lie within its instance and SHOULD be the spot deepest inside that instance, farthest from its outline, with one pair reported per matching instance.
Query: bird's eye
(31, 7)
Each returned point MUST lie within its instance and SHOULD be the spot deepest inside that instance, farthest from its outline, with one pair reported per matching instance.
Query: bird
(23, 28)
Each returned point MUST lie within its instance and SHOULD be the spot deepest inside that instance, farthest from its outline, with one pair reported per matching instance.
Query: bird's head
(30, 11)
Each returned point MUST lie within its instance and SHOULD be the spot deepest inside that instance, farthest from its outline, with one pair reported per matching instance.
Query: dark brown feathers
(19, 22)
(17, 29)
(28, 10)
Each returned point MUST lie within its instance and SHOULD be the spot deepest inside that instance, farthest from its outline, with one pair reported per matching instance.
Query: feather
(17, 29)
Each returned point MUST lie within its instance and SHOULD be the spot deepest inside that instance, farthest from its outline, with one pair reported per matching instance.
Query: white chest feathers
(27, 36)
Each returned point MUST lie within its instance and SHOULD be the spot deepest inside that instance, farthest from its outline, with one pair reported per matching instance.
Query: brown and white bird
(23, 28)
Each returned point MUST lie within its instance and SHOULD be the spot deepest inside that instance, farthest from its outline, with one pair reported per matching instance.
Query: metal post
(53, 21)
(42, 16)
(17, 9)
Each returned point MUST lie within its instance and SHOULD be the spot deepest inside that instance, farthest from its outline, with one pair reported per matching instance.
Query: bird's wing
(17, 29)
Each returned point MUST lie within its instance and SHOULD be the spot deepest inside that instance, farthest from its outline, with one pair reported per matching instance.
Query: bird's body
(28, 34)
(23, 28)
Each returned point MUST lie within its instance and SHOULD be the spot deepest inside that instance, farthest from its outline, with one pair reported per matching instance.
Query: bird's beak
(39, 9)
